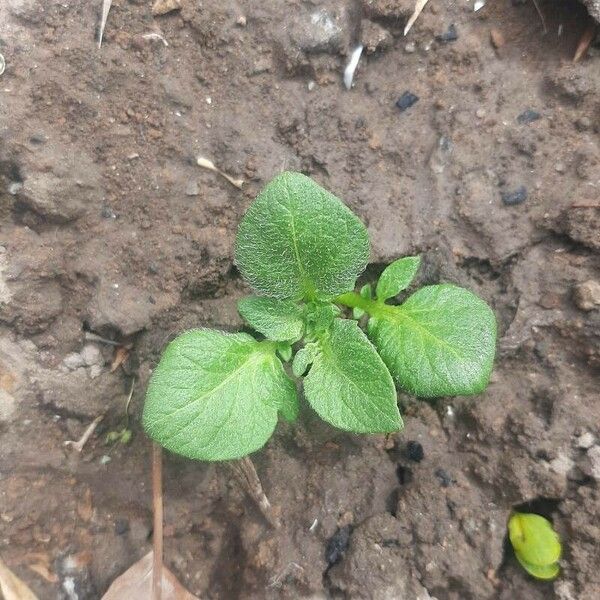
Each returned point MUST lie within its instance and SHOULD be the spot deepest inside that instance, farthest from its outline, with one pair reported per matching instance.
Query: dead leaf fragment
(12, 587)
(497, 38)
(43, 571)
(106, 4)
(85, 508)
(120, 357)
(162, 7)
(136, 584)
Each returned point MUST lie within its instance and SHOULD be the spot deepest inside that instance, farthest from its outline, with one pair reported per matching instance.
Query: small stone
(450, 35)
(587, 295)
(585, 440)
(594, 456)
(414, 451)
(528, 116)
(562, 464)
(560, 167)
(337, 545)
(192, 188)
(241, 21)
(406, 101)
(445, 478)
(73, 361)
(107, 213)
(121, 526)
(91, 355)
(374, 37)
(480, 113)
(583, 124)
(14, 187)
(162, 7)
(518, 196)
(410, 48)
(310, 85)
(95, 371)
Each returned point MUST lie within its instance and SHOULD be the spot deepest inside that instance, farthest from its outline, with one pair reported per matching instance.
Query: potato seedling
(217, 396)
(536, 545)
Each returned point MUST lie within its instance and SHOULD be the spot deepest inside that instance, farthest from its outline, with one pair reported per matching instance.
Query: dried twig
(584, 42)
(205, 163)
(246, 475)
(106, 4)
(94, 337)
(419, 6)
(157, 536)
(80, 443)
(539, 12)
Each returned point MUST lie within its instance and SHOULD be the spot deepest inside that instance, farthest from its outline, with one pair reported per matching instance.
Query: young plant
(536, 545)
(217, 396)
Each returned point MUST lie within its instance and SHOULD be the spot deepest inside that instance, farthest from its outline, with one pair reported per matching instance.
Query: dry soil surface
(109, 228)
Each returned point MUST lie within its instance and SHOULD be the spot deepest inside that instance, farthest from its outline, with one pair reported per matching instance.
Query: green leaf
(303, 358)
(215, 396)
(284, 349)
(397, 277)
(440, 342)
(533, 539)
(546, 572)
(278, 320)
(349, 386)
(297, 240)
(366, 291)
(319, 318)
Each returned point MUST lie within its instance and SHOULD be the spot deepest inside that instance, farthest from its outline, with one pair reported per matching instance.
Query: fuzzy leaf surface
(533, 539)
(440, 342)
(278, 320)
(397, 277)
(349, 386)
(215, 395)
(297, 240)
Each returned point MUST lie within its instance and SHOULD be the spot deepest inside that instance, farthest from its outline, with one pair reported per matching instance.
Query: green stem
(354, 300)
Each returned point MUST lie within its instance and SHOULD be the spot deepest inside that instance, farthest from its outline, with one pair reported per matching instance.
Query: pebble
(73, 361)
(585, 440)
(562, 464)
(583, 124)
(587, 295)
(91, 355)
(406, 101)
(518, 196)
(337, 545)
(560, 167)
(497, 38)
(480, 113)
(241, 21)
(594, 456)
(192, 188)
(414, 451)
(162, 7)
(404, 475)
(410, 48)
(450, 35)
(445, 478)
(528, 116)
(121, 526)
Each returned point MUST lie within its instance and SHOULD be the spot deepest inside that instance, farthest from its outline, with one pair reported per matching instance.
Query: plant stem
(354, 300)
(157, 504)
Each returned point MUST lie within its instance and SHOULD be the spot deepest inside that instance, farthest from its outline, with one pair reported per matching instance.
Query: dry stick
(247, 477)
(87, 434)
(584, 42)
(539, 12)
(157, 504)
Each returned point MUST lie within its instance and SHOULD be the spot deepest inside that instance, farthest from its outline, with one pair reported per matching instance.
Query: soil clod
(337, 545)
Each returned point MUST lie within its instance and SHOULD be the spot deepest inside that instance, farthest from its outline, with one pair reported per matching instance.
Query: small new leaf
(303, 358)
(533, 539)
(297, 240)
(440, 342)
(397, 277)
(278, 320)
(349, 386)
(215, 395)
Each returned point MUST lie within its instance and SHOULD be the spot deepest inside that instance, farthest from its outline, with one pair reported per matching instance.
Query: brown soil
(108, 226)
